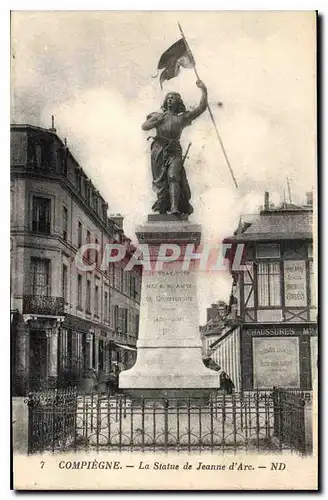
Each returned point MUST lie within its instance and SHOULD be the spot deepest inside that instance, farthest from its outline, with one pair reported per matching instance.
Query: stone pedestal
(169, 359)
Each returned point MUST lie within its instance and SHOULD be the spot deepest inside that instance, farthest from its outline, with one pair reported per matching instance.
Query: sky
(94, 72)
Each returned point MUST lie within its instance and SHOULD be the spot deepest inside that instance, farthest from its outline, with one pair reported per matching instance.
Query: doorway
(38, 360)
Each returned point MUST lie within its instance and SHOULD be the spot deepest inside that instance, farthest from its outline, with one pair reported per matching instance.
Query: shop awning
(223, 336)
(127, 347)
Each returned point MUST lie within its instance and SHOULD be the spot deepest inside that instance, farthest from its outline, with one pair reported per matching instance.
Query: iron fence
(51, 419)
(254, 421)
(289, 418)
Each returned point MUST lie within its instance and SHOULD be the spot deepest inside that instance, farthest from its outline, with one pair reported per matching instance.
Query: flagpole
(210, 111)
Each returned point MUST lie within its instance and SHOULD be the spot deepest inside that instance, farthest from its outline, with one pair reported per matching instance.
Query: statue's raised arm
(194, 113)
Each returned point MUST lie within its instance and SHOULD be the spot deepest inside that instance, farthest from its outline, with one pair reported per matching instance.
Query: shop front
(278, 356)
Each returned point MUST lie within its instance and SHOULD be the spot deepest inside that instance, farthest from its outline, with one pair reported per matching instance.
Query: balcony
(43, 305)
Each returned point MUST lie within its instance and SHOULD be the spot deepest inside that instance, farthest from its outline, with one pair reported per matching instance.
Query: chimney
(309, 198)
(212, 312)
(52, 124)
(118, 219)
(234, 311)
(266, 200)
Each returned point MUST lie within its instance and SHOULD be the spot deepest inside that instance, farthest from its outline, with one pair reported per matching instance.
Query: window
(133, 291)
(61, 160)
(88, 297)
(112, 273)
(115, 317)
(40, 277)
(77, 360)
(106, 306)
(96, 253)
(63, 165)
(96, 308)
(89, 195)
(268, 284)
(65, 223)
(79, 291)
(117, 277)
(95, 202)
(101, 355)
(125, 321)
(63, 348)
(79, 234)
(312, 285)
(126, 281)
(137, 325)
(64, 283)
(88, 240)
(41, 215)
(268, 251)
(38, 155)
(121, 285)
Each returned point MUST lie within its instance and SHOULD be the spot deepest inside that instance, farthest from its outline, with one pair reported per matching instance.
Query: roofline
(267, 237)
(26, 126)
(296, 210)
(33, 127)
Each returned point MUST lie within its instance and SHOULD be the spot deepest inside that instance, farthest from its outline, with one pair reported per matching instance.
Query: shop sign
(295, 283)
(281, 331)
(276, 362)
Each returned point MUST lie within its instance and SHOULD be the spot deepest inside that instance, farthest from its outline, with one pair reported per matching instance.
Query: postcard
(164, 250)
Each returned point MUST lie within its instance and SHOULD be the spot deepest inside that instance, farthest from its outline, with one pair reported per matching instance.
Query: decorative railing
(257, 421)
(42, 304)
(51, 419)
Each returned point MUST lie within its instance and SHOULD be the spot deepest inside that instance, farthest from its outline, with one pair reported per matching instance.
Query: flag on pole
(173, 58)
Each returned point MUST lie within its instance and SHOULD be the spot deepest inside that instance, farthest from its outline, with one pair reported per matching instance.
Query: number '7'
(42, 463)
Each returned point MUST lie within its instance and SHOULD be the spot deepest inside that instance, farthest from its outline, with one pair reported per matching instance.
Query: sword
(186, 153)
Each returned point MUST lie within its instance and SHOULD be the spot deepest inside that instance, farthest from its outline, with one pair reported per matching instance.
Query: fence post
(302, 444)
(75, 417)
(143, 423)
(166, 422)
(53, 422)
(30, 425)
(257, 413)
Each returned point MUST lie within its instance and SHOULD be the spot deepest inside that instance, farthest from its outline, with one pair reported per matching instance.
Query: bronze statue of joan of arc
(169, 177)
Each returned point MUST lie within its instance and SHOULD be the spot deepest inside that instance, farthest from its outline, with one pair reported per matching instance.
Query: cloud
(93, 72)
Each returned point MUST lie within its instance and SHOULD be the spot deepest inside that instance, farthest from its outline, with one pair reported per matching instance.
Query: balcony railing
(40, 304)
